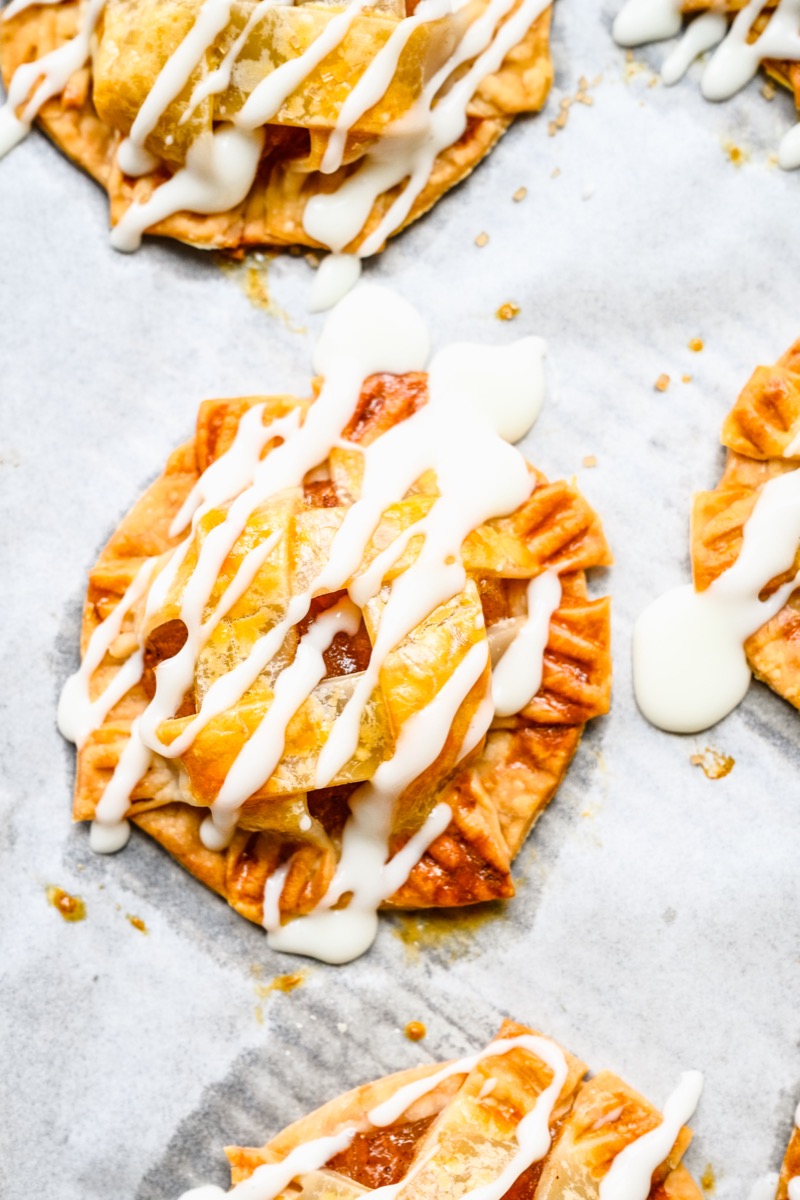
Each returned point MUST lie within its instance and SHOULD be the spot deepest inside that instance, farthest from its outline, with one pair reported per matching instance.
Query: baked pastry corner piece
(249, 126)
(762, 437)
(274, 682)
(518, 1120)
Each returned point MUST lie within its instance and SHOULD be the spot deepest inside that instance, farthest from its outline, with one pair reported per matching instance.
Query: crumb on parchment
(482, 240)
(519, 194)
(662, 383)
(507, 311)
(590, 460)
(415, 1031)
(713, 763)
(71, 908)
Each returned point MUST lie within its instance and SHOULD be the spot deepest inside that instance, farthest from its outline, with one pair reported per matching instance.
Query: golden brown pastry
(762, 435)
(696, 647)
(249, 111)
(358, 671)
(517, 1121)
(790, 1169)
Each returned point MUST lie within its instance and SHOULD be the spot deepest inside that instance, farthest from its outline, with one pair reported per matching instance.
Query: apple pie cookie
(696, 647)
(235, 123)
(516, 1120)
(744, 35)
(341, 652)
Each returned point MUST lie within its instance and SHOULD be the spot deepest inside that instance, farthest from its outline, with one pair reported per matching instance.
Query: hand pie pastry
(516, 1120)
(288, 645)
(741, 36)
(235, 123)
(789, 1181)
(695, 648)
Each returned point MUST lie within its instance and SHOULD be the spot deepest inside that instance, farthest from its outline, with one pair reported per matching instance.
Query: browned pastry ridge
(90, 117)
(469, 1125)
(758, 432)
(495, 794)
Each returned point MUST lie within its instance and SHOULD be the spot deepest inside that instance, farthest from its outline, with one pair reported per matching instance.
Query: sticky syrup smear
(71, 908)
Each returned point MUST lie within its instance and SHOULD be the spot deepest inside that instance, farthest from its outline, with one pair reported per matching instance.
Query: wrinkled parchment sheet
(655, 926)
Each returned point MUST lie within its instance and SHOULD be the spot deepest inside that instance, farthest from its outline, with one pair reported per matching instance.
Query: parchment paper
(655, 926)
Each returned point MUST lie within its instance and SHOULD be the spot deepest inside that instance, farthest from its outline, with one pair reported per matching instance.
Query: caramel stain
(735, 153)
(708, 1180)
(251, 274)
(507, 311)
(72, 908)
(713, 764)
(415, 1031)
(452, 929)
(137, 923)
(280, 983)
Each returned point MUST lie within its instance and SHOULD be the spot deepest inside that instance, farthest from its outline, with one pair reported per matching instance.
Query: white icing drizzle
(793, 449)
(221, 165)
(517, 677)
(479, 476)
(533, 1131)
(220, 170)
(737, 58)
(34, 83)
(78, 715)
(689, 664)
(794, 1188)
(336, 276)
(504, 384)
(706, 31)
(631, 1174)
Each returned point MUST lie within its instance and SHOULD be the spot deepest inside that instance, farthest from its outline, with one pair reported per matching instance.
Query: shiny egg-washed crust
(758, 432)
(495, 796)
(470, 1130)
(791, 1165)
(783, 71)
(272, 213)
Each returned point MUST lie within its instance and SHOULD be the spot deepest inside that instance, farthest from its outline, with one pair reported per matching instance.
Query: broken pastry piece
(741, 38)
(696, 647)
(517, 1120)
(341, 652)
(251, 123)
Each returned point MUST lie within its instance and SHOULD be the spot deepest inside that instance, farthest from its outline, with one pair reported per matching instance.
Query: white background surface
(655, 923)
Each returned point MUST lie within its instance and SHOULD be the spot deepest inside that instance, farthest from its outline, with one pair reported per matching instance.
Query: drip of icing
(794, 1188)
(518, 675)
(34, 83)
(640, 21)
(270, 1179)
(110, 831)
(504, 384)
(689, 663)
(703, 33)
(220, 170)
(631, 1174)
(336, 275)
